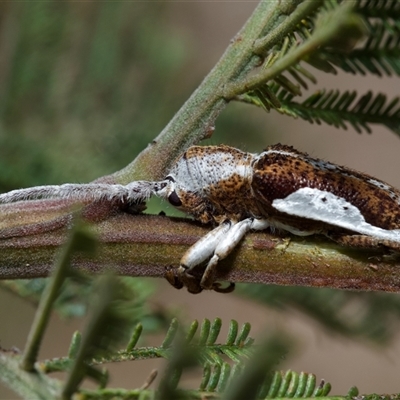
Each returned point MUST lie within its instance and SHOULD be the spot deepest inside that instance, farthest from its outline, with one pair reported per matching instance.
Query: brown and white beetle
(279, 188)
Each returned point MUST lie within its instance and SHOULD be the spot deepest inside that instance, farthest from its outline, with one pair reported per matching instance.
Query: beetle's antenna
(136, 191)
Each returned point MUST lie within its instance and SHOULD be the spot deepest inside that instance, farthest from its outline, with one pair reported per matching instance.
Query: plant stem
(46, 302)
(145, 245)
(322, 35)
(273, 37)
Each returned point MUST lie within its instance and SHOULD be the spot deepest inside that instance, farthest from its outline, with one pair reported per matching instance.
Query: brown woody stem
(146, 245)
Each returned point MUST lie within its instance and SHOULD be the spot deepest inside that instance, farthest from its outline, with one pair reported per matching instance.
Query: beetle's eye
(174, 199)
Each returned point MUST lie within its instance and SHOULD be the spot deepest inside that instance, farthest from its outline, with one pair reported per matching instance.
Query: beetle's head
(189, 201)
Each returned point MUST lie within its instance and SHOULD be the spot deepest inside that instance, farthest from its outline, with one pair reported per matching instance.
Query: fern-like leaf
(217, 378)
(294, 385)
(237, 346)
(379, 55)
(338, 109)
(382, 9)
(272, 88)
(281, 384)
(334, 108)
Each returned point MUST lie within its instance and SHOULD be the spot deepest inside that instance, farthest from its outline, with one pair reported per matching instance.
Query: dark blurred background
(84, 86)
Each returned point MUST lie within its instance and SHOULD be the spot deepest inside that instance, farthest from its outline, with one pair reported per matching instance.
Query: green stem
(339, 20)
(273, 37)
(46, 302)
(145, 245)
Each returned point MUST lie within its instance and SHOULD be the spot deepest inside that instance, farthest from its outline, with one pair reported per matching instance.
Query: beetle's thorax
(214, 183)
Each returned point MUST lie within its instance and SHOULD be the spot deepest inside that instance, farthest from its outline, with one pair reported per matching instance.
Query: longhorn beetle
(280, 188)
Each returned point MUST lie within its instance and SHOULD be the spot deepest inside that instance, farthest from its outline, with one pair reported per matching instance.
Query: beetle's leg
(217, 244)
(201, 251)
(179, 278)
(226, 246)
(204, 248)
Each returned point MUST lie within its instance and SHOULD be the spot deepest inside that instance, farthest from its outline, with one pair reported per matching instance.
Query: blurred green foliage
(85, 86)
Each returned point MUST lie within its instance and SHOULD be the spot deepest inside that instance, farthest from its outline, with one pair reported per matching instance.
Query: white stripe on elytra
(326, 207)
